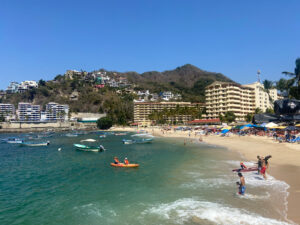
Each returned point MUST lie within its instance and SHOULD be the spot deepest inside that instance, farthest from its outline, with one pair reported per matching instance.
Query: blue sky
(43, 38)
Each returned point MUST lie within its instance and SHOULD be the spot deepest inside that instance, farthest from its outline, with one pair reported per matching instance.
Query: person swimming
(242, 184)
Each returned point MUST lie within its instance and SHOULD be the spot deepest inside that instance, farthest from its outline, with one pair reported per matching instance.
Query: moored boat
(128, 142)
(12, 140)
(120, 134)
(71, 135)
(89, 148)
(31, 144)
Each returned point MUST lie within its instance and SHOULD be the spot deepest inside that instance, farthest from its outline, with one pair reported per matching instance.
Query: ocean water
(175, 184)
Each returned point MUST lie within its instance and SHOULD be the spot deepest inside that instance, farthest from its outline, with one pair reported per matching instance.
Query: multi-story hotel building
(56, 112)
(222, 97)
(263, 99)
(29, 112)
(142, 110)
(7, 110)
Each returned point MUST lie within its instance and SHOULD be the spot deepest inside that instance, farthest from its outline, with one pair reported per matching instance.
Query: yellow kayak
(124, 165)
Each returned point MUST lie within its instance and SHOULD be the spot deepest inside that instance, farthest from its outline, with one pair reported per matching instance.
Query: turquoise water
(175, 184)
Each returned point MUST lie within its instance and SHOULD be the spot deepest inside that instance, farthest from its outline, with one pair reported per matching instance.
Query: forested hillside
(187, 80)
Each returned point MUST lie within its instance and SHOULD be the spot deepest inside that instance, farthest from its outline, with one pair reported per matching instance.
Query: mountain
(186, 76)
(187, 80)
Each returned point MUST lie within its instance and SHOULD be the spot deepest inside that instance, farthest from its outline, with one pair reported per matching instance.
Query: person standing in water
(263, 168)
(259, 164)
(242, 184)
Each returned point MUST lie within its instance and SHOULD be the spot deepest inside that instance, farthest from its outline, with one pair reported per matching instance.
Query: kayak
(124, 165)
(246, 170)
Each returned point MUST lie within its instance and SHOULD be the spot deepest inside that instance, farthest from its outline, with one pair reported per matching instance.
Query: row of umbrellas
(270, 125)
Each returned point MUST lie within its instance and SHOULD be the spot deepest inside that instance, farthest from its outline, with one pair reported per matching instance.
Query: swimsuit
(263, 170)
(242, 190)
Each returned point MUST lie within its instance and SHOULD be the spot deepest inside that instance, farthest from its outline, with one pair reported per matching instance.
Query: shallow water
(175, 184)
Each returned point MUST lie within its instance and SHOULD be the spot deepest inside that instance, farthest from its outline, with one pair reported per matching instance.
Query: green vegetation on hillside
(82, 96)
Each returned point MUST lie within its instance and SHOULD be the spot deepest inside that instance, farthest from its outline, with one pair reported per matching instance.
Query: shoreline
(284, 164)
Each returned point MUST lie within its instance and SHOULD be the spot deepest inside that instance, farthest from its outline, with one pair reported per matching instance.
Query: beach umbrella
(245, 128)
(224, 131)
(271, 125)
(226, 128)
(290, 128)
(279, 127)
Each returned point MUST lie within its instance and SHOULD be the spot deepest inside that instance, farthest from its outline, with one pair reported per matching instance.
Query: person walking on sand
(242, 184)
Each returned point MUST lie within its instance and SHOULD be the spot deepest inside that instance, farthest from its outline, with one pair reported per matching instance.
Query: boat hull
(86, 148)
(124, 165)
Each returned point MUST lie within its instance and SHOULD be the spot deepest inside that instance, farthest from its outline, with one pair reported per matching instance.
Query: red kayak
(246, 170)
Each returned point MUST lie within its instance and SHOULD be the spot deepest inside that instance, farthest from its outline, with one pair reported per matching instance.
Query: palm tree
(267, 86)
(296, 74)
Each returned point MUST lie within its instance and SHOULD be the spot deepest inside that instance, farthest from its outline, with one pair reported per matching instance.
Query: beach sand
(284, 164)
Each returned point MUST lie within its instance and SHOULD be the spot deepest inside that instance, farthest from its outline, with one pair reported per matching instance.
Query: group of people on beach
(262, 167)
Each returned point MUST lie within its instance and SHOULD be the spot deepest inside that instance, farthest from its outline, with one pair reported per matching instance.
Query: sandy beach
(284, 164)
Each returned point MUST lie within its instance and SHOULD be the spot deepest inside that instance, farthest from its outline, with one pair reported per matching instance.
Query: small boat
(128, 142)
(86, 148)
(125, 165)
(249, 169)
(88, 140)
(71, 135)
(12, 140)
(120, 134)
(102, 136)
(31, 144)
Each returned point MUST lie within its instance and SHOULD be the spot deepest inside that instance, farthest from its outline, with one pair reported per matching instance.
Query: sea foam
(190, 209)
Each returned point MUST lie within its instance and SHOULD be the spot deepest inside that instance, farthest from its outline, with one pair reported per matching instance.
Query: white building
(13, 87)
(29, 112)
(168, 95)
(7, 110)
(55, 111)
(263, 99)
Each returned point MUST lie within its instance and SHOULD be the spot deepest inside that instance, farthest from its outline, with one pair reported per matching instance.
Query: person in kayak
(116, 160)
(126, 162)
(242, 184)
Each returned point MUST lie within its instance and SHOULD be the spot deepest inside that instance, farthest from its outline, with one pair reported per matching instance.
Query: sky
(42, 38)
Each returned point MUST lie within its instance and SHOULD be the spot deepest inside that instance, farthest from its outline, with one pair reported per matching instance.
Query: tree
(268, 84)
(104, 123)
(2, 118)
(42, 82)
(230, 116)
(258, 111)
(249, 117)
(295, 80)
(270, 110)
